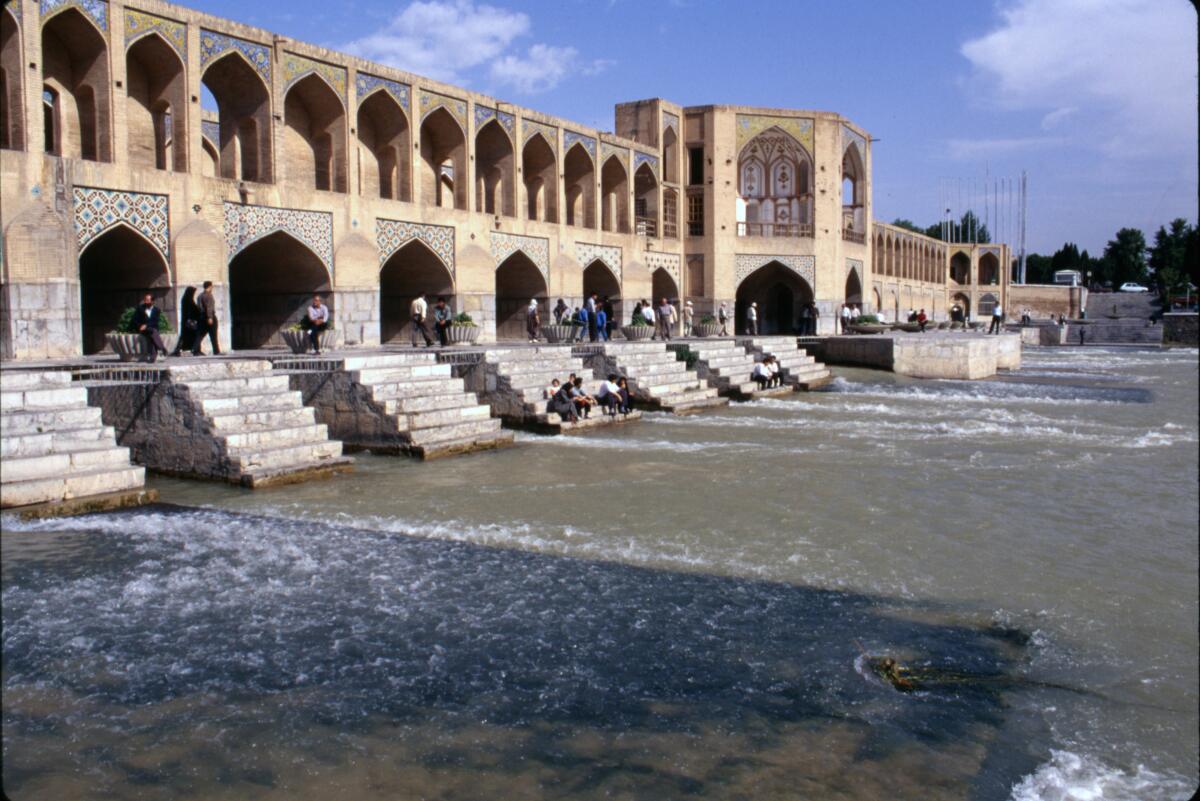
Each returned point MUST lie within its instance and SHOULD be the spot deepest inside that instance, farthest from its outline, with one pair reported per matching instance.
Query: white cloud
(1128, 65)
(597, 66)
(1057, 116)
(452, 39)
(972, 149)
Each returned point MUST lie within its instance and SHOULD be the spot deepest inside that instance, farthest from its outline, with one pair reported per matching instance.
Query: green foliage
(967, 229)
(1169, 257)
(708, 319)
(639, 320)
(125, 322)
(866, 319)
(908, 225)
(1124, 258)
(463, 319)
(687, 355)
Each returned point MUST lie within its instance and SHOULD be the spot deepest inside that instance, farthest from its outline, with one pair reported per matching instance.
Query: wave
(1068, 776)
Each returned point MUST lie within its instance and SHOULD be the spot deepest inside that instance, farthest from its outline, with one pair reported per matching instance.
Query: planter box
(706, 329)
(135, 347)
(561, 333)
(299, 342)
(867, 328)
(636, 332)
(462, 334)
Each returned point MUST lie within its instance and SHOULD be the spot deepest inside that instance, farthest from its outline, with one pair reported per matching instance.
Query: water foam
(1068, 776)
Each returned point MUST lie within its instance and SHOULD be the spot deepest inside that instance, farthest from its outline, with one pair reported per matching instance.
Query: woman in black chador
(190, 320)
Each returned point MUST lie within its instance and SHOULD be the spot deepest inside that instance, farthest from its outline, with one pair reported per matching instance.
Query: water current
(674, 608)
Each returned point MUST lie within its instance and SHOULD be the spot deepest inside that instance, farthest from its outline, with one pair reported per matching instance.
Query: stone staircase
(800, 370)
(405, 403)
(656, 378)
(514, 380)
(224, 419)
(726, 366)
(53, 446)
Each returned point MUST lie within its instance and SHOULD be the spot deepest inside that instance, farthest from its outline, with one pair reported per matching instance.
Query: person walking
(752, 320)
(146, 318)
(533, 321)
(666, 313)
(601, 323)
(418, 311)
(208, 307)
(560, 309)
(805, 319)
(688, 314)
(610, 314)
(845, 319)
(590, 305)
(816, 315)
(190, 325)
(441, 321)
(997, 319)
(723, 319)
(581, 320)
(316, 322)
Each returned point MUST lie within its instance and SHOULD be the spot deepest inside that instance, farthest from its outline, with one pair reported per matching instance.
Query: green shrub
(866, 319)
(463, 319)
(125, 322)
(299, 327)
(708, 319)
(639, 320)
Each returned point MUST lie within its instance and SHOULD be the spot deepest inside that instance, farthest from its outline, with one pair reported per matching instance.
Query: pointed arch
(271, 281)
(614, 196)
(413, 270)
(156, 104)
(314, 135)
(443, 161)
(116, 268)
(539, 168)
(670, 155)
(775, 180)
(989, 270)
(385, 165)
(243, 118)
(75, 70)
(579, 186)
(645, 200)
(960, 268)
(495, 168)
(518, 280)
(780, 293)
(12, 97)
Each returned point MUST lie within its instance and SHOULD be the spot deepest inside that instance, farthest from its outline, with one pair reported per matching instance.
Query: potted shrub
(462, 330)
(867, 324)
(566, 331)
(128, 344)
(707, 327)
(296, 338)
(640, 328)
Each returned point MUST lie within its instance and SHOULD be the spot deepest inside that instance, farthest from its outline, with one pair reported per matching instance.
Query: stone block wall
(1181, 328)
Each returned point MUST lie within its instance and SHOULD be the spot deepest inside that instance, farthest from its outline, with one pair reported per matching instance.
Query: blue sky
(1095, 99)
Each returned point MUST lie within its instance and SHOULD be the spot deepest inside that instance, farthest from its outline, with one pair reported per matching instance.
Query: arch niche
(75, 76)
(494, 190)
(243, 118)
(599, 278)
(645, 200)
(540, 171)
(314, 135)
(517, 281)
(853, 289)
(774, 178)
(878, 301)
(579, 182)
(443, 161)
(383, 148)
(12, 101)
(960, 268)
(614, 196)
(412, 270)
(852, 190)
(115, 270)
(989, 269)
(779, 292)
(963, 301)
(271, 282)
(156, 105)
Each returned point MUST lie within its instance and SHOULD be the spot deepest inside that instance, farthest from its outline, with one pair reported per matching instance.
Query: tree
(1038, 269)
(1124, 258)
(908, 225)
(967, 229)
(1169, 257)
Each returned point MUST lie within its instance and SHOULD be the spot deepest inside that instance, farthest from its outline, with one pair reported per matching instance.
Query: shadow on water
(198, 636)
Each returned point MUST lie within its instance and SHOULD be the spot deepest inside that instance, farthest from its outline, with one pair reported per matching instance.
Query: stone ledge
(88, 505)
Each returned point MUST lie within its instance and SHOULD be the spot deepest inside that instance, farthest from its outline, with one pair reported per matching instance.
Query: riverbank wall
(929, 355)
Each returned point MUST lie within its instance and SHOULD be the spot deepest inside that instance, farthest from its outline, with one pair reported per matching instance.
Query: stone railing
(853, 236)
(775, 229)
(646, 226)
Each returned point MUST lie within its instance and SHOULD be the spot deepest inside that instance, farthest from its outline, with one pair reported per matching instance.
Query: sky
(1096, 100)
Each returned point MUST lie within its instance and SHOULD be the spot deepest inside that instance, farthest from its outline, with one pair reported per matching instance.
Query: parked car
(1129, 286)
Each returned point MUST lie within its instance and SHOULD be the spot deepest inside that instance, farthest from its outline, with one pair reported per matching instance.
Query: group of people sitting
(766, 373)
(571, 402)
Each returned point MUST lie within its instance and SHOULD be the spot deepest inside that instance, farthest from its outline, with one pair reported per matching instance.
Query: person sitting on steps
(316, 322)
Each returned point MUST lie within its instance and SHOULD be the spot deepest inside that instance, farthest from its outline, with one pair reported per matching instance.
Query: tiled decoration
(586, 253)
(365, 85)
(247, 224)
(621, 153)
(751, 125)
(211, 131)
(430, 101)
(535, 247)
(671, 121)
(391, 235)
(139, 24)
(803, 266)
(96, 9)
(214, 45)
(588, 142)
(507, 121)
(665, 261)
(97, 210)
(852, 137)
(645, 158)
(549, 133)
(296, 67)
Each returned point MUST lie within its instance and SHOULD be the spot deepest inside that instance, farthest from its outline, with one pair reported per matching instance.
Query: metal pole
(1024, 206)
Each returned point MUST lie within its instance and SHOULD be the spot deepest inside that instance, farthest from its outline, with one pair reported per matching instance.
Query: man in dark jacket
(145, 322)
(208, 308)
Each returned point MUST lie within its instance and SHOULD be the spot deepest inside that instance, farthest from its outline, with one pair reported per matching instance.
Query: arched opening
(774, 180)
(540, 169)
(243, 118)
(614, 197)
(853, 212)
(670, 156)
(878, 307)
(779, 292)
(443, 162)
(271, 282)
(156, 100)
(211, 164)
(986, 303)
(960, 268)
(12, 100)
(645, 201)
(411, 271)
(670, 213)
(598, 278)
(494, 184)
(383, 136)
(75, 69)
(115, 270)
(989, 270)
(663, 286)
(51, 121)
(314, 135)
(695, 277)
(517, 281)
(853, 289)
(579, 183)
(963, 302)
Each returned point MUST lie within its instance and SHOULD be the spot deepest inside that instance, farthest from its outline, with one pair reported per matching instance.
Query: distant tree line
(1168, 265)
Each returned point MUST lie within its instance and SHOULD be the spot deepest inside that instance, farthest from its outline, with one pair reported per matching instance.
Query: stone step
(286, 457)
(29, 468)
(659, 390)
(385, 375)
(74, 485)
(53, 397)
(727, 363)
(237, 385)
(20, 422)
(353, 363)
(20, 380)
(564, 366)
(283, 417)
(56, 442)
(485, 440)
(395, 390)
(251, 402)
(241, 441)
(468, 430)
(217, 369)
(425, 403)
(446, 417)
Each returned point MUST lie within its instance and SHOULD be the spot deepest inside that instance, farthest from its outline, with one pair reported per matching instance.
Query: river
(677, 607)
